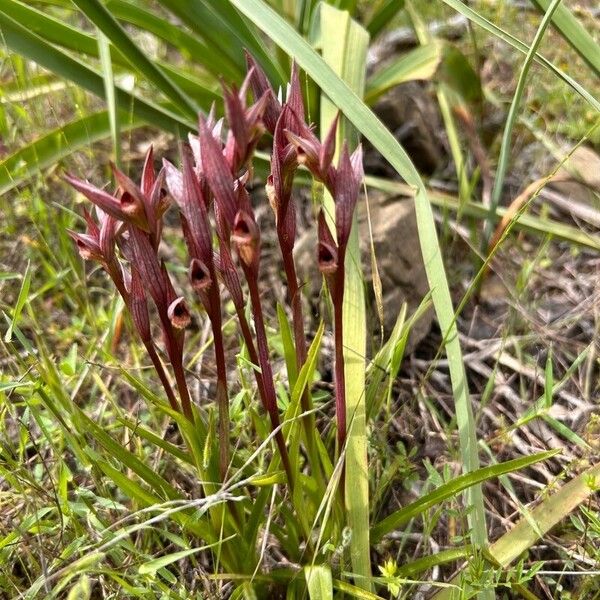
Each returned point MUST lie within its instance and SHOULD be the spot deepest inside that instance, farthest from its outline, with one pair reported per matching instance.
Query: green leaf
(453, 487)
(523, 222)
(575, 34)
(158, 484)
(221, 26)
(82, 590)
(21, 299)
(156, 440)
(59, 33)
(319, 582)
(49, 27)
(511, 120)
(354, 591)
(109, 92)
(19, 39)
(7, 386)
(152, 566)
(458, 74)
(382, 16)
(97, 13)
(419, 63)
(191, 47)
(421, 565)
(48, 150)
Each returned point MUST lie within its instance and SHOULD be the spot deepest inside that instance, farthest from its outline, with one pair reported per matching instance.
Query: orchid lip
(244, 229)
(327, 258)
(199, 275)
(178, 313)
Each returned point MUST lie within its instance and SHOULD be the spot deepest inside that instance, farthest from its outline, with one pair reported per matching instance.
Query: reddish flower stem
(183, 390)
(222, 395)
(300, 345)
(162, 375)
(267, 374)
(340, 377)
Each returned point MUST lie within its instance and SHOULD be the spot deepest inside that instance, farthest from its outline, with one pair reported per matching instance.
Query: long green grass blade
(453, 487)
(109, 92)
(575, 34)
(64, 35)
(20, 303)
(382, 15)
(344, 46)
(370, 126)
(49, 27)
(97, 13)
(523, 222)
(19, 39)
(511, 119)
(319, 582)
(516, 43)
(221, 26)
(190, 46)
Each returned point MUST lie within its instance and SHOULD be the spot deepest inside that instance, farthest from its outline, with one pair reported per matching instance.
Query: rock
(411, 113)
(399, 260)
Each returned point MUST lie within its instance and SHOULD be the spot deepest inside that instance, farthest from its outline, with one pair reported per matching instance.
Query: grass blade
(575, 34)
(19, 39)
(109, 92)
(190, 46)
(447, 490)
(319, 582)
(46, 151)
(382, 16)
(511, 119)
(516, 43)
(545, 516)
(222, 27)
(52, 30)
(97, 13)
(21, 300)
(523, 222)
(420, 63)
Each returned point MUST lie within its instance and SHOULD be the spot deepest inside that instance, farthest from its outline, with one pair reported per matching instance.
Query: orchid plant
(223, 243)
